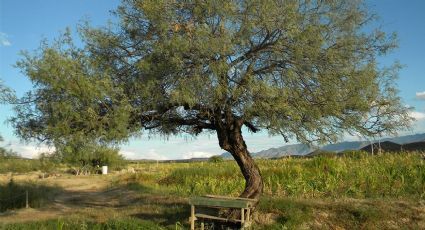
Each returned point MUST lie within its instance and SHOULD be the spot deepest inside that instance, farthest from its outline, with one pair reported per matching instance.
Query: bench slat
(220, 202)
(204, 216)
(231, 198)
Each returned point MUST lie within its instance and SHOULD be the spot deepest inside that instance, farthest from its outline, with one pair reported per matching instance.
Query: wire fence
(14, 202)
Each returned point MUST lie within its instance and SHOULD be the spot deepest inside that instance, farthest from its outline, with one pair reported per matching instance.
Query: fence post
(26, 199)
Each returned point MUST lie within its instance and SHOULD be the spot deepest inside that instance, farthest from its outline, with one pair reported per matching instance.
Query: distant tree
(86, 157)
(2, 150)
(216, 159)
(301, 69)
(6, 96)
(47, 163)
(8, 153)
(4, 153)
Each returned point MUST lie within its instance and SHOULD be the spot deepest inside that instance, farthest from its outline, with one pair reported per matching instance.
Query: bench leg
(248, 217)
(202, 225)
(242, 218)
(192, 217)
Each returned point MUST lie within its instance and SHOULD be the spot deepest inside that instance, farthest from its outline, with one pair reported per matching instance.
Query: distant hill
(406, 139)
(409, 142)
(287, 150)
(415, 146)
(386, 146)
(346, 145)
(320, 152)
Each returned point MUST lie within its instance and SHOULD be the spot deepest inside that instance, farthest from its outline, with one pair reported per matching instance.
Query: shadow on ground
(15, 195)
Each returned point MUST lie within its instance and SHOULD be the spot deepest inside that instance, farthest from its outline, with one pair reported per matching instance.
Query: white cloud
(151, 154)
(417, 115)
(4, 41)
(420, 95)
(29, 150)
(197, 154)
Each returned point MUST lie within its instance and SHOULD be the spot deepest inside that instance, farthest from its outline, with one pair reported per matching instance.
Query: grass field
(356, 191)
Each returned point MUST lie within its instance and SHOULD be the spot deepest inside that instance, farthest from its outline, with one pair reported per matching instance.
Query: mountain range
(410, 142)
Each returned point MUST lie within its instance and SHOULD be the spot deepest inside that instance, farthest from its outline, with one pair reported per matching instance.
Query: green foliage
(12, 162)
(384, 176)
(7, 95)
(216, 159)
(4, 153)
(292, 214)
(367, 192)
(18, 165)
(77, 224)
(324, 153)
(91, 156)
(304, 69)
(353, 154)
(48, 162)
(8, 154)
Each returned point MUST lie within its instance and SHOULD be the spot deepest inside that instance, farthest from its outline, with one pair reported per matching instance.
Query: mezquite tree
(301, 69)
(6, 96)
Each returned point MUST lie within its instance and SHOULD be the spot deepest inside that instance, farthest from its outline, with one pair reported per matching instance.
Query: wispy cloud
(29, 150)
(151, 154)
(4, 40)
(197, 154)
(420, 95)
(417, 115)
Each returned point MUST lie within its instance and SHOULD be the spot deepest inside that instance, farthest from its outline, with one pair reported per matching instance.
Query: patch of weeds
(115, 224)
(291, 213)
(139, 187)
(13, 195)
(356, 215)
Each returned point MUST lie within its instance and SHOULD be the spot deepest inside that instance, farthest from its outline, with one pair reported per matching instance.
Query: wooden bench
(244, 204)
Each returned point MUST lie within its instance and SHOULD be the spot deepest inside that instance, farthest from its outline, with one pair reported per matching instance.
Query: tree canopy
(6, 94)
(304, 69)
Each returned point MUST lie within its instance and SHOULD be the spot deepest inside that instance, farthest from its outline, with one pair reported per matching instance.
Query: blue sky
(23, 24)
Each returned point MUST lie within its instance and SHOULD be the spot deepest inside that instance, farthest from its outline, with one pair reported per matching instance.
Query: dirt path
(80, 196)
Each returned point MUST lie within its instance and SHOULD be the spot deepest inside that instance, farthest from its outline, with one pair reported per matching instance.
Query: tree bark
(231, 139)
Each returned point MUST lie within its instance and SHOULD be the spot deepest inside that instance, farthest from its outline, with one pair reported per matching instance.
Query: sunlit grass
(354, 191)
(387, 175)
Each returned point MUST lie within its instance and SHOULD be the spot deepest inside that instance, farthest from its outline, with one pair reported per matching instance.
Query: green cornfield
(355, 176)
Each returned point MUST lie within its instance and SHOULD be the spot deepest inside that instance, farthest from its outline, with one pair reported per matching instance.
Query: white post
(104, 170)
(192, 217)
(242, 218)
(26, 199)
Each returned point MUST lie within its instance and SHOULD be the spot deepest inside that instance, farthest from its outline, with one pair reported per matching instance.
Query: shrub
(356, 154)
(88, 158)
(216, 159)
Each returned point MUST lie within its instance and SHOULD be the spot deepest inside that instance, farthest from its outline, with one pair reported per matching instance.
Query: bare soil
(91, 197)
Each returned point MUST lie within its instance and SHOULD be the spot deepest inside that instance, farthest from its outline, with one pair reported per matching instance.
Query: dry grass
(341, 214)
(150, 194)
(97, 198)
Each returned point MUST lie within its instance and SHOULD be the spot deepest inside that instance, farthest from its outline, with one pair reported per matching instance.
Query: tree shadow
(166, 218)
(170, 210)
(15, 195)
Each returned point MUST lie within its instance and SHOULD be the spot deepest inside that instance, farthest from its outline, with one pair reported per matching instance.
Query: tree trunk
(231, 139)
